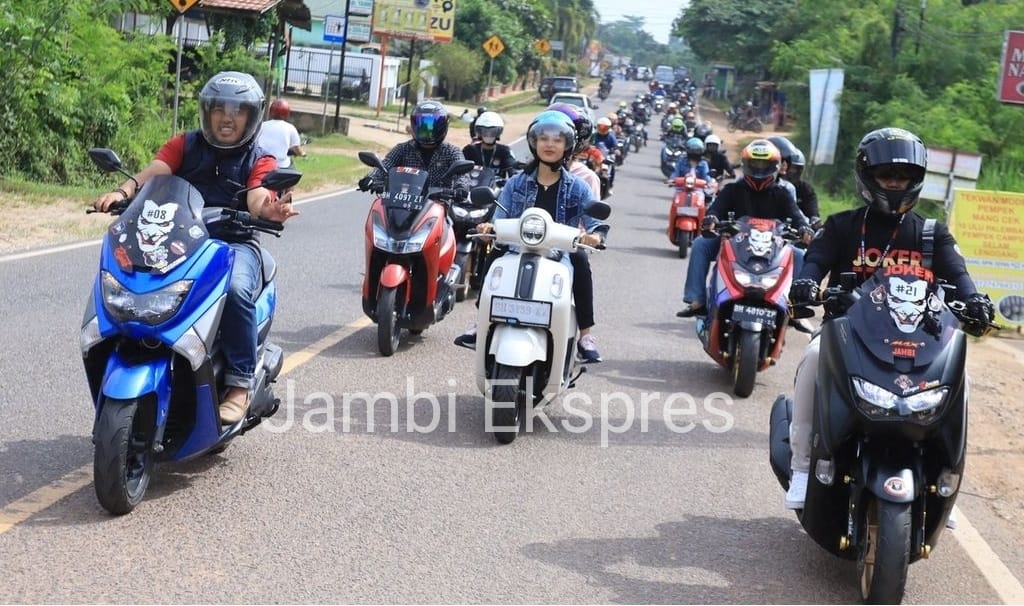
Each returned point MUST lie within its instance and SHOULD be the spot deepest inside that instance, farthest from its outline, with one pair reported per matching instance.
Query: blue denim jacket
(574, 195)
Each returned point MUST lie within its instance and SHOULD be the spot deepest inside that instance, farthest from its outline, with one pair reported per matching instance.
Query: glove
(365, 183)
(803, 290)
(978, 308)
(806, 234)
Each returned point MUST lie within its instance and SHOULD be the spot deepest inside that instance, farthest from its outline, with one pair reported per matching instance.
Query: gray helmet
(232, 94)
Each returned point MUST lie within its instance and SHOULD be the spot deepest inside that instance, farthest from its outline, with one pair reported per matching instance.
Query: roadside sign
(361, 8)
(542, 46)
(183, 5)
(1011, 69)
(493, 46)
(334, 28)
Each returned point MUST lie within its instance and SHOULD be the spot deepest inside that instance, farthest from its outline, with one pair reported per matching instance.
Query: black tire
(388, 331)
(462, 288)
(884, 556)
(744, 363)
(757, 126)
(636, 143)
(731, 127)
(123, 457)
(683, 242)
(512, 388)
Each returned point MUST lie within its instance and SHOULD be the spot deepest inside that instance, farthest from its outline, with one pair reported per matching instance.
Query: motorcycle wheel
(884, 556)
(510, 389)
(683, 242)
(123, 460)
(744, 363)
(388, 331)
(731, 127)
(636, 144)
(757, 126)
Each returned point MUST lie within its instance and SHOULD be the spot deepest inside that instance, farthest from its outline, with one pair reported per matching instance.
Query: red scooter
(410, 249)
(748, 305)
(686, 214)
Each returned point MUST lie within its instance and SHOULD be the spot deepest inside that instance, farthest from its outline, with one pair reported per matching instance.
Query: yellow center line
(29, 505)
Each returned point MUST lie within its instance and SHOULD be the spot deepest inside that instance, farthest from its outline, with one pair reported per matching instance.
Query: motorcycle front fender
(889, 483)
(518, 346)
(686, 224)
(125, 381)
(393, 275)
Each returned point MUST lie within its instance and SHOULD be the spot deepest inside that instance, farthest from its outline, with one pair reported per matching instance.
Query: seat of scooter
(269, 266)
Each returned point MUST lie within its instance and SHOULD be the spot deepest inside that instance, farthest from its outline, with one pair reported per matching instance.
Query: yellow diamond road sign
(493, 46)
(542, 46)
(183, 5)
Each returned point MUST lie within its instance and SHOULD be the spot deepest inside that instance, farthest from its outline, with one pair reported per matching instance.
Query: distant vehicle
(579, 100)
(644, 73)
(665, 74)
(558, 84)
(355, 85)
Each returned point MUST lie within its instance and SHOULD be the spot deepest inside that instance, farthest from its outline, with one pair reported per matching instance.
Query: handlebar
(247, 220)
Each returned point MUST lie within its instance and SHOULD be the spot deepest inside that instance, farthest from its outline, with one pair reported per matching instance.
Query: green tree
(460, 69)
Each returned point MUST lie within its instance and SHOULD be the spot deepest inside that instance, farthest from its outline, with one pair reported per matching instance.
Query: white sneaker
(951, 520)
(797, 493)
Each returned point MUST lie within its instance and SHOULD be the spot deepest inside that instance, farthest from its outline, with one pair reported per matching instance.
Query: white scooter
(526, 340)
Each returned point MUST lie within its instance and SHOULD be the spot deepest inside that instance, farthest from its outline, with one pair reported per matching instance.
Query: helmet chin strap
(555, 166)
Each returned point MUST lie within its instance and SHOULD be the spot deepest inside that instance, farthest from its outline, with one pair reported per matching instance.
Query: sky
(658, 14)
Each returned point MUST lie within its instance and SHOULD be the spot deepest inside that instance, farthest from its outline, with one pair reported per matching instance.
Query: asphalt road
(320, 510)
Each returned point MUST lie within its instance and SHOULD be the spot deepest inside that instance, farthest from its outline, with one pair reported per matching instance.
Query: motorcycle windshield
(160, 229)
(482, 176)
(404, 198)
(901, 314)
(758, 243)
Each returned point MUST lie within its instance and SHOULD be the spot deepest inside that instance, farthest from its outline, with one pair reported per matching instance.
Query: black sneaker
(693, 309)
(468, 338)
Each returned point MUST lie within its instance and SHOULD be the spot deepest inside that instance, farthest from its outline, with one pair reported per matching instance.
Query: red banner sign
(1011, 71)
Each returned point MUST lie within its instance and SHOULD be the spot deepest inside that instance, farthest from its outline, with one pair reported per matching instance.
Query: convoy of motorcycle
(890, 402)
(149, 335)
(410, 253)
(527, 333)
(890, 424)
(748, 307)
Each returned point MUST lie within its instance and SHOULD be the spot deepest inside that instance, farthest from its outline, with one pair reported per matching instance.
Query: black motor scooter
(890, 421)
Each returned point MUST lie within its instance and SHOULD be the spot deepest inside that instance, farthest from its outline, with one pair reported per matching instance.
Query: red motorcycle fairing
(393, 275)
(689, 195)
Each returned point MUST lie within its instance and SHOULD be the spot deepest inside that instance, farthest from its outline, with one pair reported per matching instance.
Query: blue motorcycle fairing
(207, 431)
(124, 381)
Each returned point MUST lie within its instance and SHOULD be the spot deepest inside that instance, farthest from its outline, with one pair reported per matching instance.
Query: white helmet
(489, 127)
(713, 139)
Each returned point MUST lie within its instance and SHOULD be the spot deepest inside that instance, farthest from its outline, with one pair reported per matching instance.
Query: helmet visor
(425, 127)
(760, 168)
(489, 134)
(903, 172)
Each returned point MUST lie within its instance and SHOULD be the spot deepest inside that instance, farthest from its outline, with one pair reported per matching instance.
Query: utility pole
(920, 27)
(341, 68)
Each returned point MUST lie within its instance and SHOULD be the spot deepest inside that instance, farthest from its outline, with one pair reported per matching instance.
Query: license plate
(521, 312)
(749, 313)
(687, 211)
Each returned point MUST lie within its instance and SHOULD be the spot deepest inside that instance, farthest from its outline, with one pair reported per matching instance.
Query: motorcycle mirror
(482, 196)
(370, 159)
(106, 159)
(598, 210)
(281, 179)
(460, 167)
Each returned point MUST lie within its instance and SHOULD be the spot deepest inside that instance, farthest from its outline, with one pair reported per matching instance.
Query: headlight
(766, 281)
(886, 401)
(383, 241)
(532, 230)
(460, 211)
(743, 278)
(149, 308)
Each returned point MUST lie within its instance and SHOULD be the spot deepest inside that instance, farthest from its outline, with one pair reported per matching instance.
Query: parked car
(579, 100)
(355, 84)
(558, 84)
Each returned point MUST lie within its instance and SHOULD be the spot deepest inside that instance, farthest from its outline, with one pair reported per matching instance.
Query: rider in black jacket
(890, 170)
(756, 195)
(486, 151)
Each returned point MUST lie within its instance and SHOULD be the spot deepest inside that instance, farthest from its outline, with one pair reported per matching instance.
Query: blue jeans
(702, 253)
(238, 331)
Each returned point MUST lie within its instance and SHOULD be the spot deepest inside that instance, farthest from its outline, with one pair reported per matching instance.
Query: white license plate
(521, 312)
(687, 211)
(753, 314)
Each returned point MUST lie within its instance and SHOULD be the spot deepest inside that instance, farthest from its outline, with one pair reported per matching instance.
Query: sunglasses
(895, 171)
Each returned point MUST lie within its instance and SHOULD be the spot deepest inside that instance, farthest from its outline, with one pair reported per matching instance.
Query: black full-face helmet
(231, 95)
(890, 152)
(429, 123)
